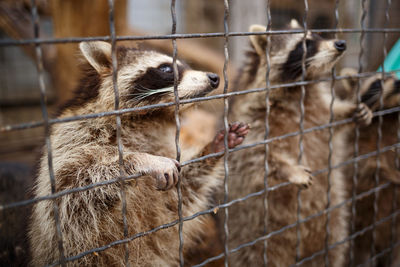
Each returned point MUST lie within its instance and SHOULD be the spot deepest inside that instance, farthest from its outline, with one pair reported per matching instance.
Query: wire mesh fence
(355, 161)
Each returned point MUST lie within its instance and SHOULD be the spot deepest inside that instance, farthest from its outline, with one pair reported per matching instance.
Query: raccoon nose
(214, 79)
(340, 45)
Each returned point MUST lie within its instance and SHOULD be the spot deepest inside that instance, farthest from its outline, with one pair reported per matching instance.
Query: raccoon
(371, 90)
(246, 218)
(85, 152)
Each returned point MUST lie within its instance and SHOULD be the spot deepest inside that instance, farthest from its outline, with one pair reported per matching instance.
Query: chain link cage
(40, 44)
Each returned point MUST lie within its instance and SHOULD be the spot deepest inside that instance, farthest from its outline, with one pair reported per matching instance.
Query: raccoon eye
(167, 68)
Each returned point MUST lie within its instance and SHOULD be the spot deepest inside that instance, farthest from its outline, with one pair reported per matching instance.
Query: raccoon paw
(236, 135)
(301, 176)
(363, 115)
(166, 172)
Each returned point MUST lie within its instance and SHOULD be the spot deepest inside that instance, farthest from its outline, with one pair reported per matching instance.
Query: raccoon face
(286, 53)
(144, 77)
(372, 88)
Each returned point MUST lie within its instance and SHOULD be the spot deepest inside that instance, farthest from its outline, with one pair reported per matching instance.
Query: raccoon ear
(294, 24)
(350, 83)
(259, 42)
(98, 54)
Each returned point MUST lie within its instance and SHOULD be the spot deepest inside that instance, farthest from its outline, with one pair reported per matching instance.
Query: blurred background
(19, 89)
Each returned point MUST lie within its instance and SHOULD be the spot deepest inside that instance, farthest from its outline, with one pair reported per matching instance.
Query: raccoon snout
(340, 45)
(214, 79)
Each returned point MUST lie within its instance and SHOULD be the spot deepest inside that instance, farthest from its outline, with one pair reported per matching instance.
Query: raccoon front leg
(93, 167)
(297, 174)
(361, 113)
(195, 172)
(164, 170)
(236, 134)
(84, 212)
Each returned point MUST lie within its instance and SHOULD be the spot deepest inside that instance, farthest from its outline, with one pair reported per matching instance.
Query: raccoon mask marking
(372, 88)
(291, 69)
(156, 82)
(144, 78)
(371, 96)
(286, 53)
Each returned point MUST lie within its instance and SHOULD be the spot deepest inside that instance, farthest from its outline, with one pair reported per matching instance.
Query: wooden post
(243, 14)
(79, 18)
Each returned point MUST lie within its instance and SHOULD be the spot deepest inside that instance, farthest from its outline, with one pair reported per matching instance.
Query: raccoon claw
(363, 115)
(166, 174)
(236, 135)
(301, 176)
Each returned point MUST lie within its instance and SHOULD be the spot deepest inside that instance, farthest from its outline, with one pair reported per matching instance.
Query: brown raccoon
(246, 218)
(371, 89)
(85, 152)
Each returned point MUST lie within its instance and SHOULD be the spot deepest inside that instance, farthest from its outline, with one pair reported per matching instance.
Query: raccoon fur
(86, 152)
(371, 90)
(246, 218)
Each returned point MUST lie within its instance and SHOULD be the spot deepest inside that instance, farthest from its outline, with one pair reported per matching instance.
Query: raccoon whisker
(144, 93)
(138, 99)
(156, 91)
(282, 59)
(317, 57)
(162, 90)
(372, 95)
(142, 88)
(147, 91)
(320, 56)
(296, 65)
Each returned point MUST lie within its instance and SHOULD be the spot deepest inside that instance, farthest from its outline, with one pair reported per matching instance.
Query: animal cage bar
(23, 126)
(178, 126)
(118, 130)
(128, 237)
(226, 127)
(357, 136)
(266, 147)
(35, 20)
(331, 119)
(187, 36)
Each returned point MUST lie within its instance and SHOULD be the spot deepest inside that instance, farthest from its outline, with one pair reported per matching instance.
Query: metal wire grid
(39, 65)
(301, 125)
(177, 121)
(267, 110)
(379, 138)
(118, 123)
(357, 136)
(330, 146)
(123, 177)
(226, 127)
